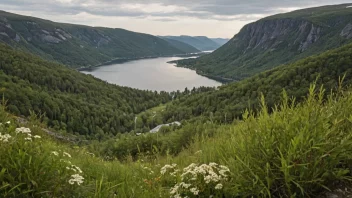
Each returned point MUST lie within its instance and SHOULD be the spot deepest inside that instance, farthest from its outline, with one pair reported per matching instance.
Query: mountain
(276, 40)
(77, 45)
(231, 100)
(184, 47)
(202, 43)
(220, 41)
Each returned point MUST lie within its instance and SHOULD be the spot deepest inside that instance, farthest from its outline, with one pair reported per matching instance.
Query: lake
(152, 74)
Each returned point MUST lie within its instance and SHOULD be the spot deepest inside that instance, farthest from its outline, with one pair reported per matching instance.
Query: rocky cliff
(277, 40)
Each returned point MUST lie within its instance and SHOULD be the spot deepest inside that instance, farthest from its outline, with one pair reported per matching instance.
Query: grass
(298, 150)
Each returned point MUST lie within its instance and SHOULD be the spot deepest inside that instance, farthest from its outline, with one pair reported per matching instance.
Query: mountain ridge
(276, 40)
(80, 45)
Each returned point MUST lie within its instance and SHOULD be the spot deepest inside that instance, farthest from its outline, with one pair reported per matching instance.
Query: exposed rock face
(347, 31)
(268, 34)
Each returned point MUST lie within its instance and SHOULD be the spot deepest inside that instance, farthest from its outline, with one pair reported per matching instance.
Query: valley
(107, 112)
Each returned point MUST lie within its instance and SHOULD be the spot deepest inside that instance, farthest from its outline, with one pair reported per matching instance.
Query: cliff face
(277, 40)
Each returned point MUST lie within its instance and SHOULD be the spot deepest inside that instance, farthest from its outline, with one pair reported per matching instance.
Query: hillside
(202, 43)
(229, 102)
(71, 101)
(79, 46)
(295, 144)
(184, 47)
(277, 40)
(220, 41)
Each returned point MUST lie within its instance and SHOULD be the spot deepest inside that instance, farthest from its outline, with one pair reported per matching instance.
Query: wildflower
(195, 191)
(74, 168)
(55, 153)
(37, 137)
(76, 178)
(164, 169)
(218, 187)
(66, 154)
(5, 137)
(23, 130)
(28, 139)
(8, 122)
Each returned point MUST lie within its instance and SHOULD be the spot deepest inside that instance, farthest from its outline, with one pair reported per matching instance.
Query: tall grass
(296, 150)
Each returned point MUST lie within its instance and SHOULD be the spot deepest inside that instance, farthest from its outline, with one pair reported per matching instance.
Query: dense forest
(230, 101)
(277, 40)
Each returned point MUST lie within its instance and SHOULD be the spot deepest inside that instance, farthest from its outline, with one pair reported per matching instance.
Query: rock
(347, 31)
(17, 38)
(50, 39)
(312, 37)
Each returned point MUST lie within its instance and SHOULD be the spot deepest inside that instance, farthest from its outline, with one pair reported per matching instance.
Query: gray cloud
(165, 10)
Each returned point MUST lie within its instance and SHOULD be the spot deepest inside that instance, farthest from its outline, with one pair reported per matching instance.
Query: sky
(212, 18)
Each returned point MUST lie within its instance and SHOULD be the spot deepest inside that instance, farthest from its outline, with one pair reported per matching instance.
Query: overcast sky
(213, 18)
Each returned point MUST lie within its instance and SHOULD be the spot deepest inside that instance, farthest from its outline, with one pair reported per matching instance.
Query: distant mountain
(202, 43)
(184, 47)
(220, 41)
(78, 45)
(277, 40)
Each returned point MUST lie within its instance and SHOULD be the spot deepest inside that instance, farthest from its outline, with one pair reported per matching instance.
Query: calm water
(152, 74)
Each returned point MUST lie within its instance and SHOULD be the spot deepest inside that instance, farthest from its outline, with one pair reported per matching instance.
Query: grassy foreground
(298, 150)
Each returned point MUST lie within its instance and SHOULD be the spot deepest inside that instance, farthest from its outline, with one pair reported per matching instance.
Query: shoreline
(127, 59)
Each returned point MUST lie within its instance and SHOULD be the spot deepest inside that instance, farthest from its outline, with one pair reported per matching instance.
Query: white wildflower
(66, 154)
(23, 130)
(76, 178)
(195, 191)
(218, 187)
(165, 168)
(5, 137)
(8, 122)
(28, 139)
(55, 153)
(37, 137)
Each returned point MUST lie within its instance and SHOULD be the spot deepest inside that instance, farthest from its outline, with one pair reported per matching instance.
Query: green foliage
(230, 101)
(71, 101)
(276, 40)
(81, 46)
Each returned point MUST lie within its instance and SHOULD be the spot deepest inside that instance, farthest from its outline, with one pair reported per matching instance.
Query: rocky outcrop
(347, 31)
(312, 37)
(268, 34)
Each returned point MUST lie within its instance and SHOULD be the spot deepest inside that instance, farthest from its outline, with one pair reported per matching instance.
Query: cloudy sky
(213, 18)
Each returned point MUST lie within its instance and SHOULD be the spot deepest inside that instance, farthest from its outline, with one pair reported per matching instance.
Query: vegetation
(201, 43)
(81, 46)
(229, 102)
(276, 40)
(296, 150)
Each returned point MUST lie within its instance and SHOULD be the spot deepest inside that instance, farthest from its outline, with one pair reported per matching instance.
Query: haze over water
(152, 74)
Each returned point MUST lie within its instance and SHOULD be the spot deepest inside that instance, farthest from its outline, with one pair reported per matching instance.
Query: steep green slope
(77, 45)
(71, 101)
(220, 41)
(277, 40)
(202, 43)
(229, 102)
(184, 47)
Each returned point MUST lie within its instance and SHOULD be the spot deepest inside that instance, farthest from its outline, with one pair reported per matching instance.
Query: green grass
(298, 150)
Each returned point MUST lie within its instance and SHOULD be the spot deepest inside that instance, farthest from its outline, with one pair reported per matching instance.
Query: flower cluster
(169, 168)
(5, 137)
(27, 131)
(74, 168)
(196, 179)
(76, 178)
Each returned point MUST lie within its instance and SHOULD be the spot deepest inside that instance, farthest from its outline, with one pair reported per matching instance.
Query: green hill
(77, 45)
(229, 102)
(182, 46)
(71, 101)
(277, 40)
(202, 43)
